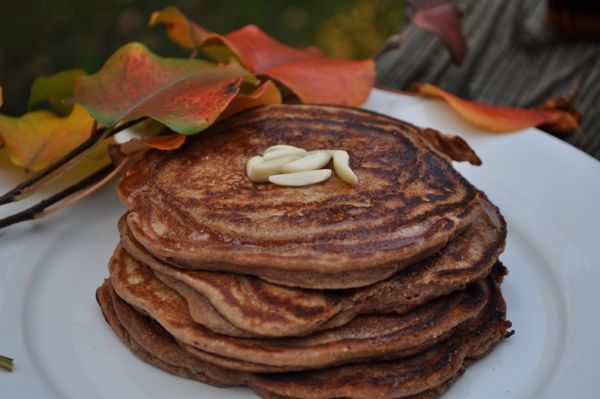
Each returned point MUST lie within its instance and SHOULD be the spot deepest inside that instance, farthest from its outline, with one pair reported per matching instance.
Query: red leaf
(500, 118)
(186, 95)
(306, 72)
(442, 18)
(258, 51)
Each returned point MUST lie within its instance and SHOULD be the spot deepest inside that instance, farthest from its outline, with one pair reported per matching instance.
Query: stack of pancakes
(388, 289)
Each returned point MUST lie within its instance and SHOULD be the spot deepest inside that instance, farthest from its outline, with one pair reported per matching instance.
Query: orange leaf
(306, 72)
(179, 29)
(326, 80)
(259, 51)
(500, 118)
(39, 138)
(165, 142)
(267, 93)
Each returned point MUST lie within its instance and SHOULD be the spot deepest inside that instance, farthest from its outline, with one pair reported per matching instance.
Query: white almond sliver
(261, 171)
(285, 152)
(280, 147)
(253, 162)
(310, 162)
(341, 164)
(315, 151)
(301, 178)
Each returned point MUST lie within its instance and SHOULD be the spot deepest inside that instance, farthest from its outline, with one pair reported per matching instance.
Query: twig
(84, 192)
(38, 209)
(28, 186)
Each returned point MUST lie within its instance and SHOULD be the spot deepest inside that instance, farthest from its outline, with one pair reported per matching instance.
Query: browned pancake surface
(365, 337)
(241, 305)
(423, 376)
(196, 208)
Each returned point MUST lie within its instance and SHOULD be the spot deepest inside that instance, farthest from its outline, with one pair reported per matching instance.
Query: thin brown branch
(35, 211)
(28, 186)
(84, 192)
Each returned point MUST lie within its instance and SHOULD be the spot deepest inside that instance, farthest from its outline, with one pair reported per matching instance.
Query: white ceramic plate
(548, 191)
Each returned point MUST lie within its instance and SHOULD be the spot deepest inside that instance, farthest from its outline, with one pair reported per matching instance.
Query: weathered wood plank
(514, 58)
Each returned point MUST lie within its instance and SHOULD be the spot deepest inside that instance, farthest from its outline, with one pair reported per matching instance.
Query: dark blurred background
(42, 37)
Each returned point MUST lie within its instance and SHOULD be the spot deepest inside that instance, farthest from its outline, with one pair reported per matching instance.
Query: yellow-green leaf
(179, 29)
(38, 138)
(54, 89)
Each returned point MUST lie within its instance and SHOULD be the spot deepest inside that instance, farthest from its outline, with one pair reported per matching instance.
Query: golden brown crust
(365, 337)
(199, 210)
(424, 376)
(245, 306)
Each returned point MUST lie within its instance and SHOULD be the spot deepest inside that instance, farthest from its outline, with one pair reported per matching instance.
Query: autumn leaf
(54, 89)
(310, 75)
(179, 29)
(327, 81)
(306, 72)
(267, 93)
(165, 142)
(566, 104)
(38, 138)
(259, 51)
(442, 18)
(185, 95)
(500, 118)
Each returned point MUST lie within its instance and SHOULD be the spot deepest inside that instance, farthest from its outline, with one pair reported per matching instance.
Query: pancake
(196, 208)
(245, 306)
(365, 337)
(423, 376)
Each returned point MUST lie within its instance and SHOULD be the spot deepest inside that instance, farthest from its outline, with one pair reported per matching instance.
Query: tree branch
(28, 186)
(38, 209)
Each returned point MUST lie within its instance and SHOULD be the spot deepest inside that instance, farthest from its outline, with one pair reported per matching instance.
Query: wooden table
(514, 58)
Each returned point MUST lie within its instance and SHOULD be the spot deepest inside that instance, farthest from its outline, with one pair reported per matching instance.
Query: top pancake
(196, 207)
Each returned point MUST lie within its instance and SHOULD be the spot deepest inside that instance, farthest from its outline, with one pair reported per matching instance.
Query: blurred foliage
(41, 37)
(360, 30)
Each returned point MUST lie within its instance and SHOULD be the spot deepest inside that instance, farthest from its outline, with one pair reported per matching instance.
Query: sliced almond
(285, 152)
(313, 161)
(253, 162)
(280, 147)
(261, 171)
(341, 164)
(298, 179)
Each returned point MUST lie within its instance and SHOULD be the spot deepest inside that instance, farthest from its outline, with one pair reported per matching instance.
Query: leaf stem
(28, 186)
(6, 363)
(38, 209)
